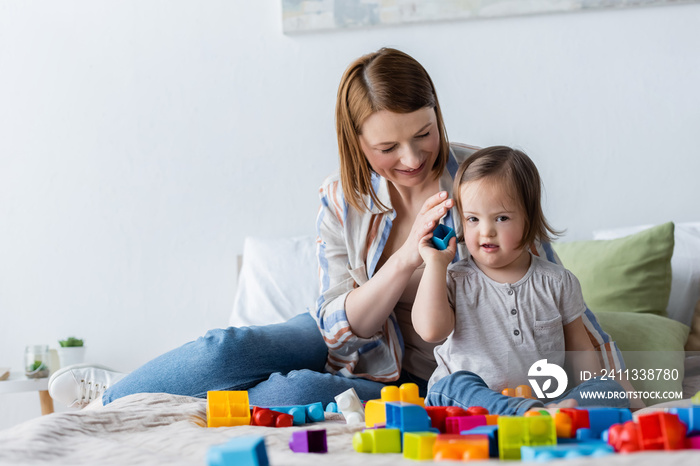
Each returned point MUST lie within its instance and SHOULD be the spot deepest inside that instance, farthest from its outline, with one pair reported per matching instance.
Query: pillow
(630, 274)
(693, 343)
(685, 267)
(278, 280)
(648, 342)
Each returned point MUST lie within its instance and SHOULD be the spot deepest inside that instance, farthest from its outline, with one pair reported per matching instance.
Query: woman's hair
(385, 80)
(517, 174)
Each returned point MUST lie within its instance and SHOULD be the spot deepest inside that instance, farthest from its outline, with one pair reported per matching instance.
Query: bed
(169, 429)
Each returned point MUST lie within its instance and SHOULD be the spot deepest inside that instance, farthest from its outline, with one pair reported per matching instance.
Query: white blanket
(147, 429)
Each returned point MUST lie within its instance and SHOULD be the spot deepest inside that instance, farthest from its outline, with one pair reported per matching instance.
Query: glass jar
(36, 361)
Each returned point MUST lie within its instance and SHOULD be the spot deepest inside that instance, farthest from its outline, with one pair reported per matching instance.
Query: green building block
(377, 441)
(514, 432)
(418, 445)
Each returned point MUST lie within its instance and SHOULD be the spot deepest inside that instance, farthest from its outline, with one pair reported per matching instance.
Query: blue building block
(332, 407)
(303, 413)
(567, 451)
(690, 417)
(407, 417)
(601, 419)
(492, 432)
(441, 236)
(239, 451)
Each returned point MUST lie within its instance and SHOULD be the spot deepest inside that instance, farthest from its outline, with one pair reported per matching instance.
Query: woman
(394, 186)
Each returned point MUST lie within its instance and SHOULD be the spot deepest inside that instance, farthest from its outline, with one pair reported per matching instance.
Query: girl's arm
(432, 316)
(368, 307)
(585, 357)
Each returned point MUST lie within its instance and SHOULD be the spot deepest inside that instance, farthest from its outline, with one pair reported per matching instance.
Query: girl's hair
(385, 80)
(517, 173)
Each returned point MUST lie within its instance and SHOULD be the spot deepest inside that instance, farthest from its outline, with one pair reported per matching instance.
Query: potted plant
(71, 351)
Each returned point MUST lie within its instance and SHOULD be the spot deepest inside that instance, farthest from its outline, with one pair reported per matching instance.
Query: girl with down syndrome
(505, 311)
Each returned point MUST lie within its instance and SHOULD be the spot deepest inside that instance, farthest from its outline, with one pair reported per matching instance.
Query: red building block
(624, 438)
(661, 431)
(269, 418)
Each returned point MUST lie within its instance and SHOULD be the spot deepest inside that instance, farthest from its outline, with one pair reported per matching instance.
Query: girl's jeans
(467, 389)
(279, 364)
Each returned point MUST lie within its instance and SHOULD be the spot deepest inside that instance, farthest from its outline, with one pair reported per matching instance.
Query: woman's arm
(432, 316)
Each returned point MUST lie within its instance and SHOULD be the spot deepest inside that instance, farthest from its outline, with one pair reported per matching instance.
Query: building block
(437, 415)
(521, 391)
(624, 438)
(227, 408)
(269, 418)
(693, 442)
(690, 417)
(239, 451)
(418, 445)
(514, 432)
(569, 420)
(455, 425)
(309, 441)
(351, 406)
(406, 417)
(574, 450)
(696, 399)
(661, 431)
(491, 432)
(600, 419)
(302, 414)
(332, 407)
(441, 236)
(375, 411)
(461, 447)
(377, 441)
(477, 411)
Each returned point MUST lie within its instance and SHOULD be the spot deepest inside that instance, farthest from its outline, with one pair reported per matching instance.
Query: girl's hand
(431, 254)
(434, 208)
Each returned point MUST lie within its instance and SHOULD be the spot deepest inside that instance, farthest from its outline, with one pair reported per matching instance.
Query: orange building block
(521, 391)
(461, 447)
(228, 408)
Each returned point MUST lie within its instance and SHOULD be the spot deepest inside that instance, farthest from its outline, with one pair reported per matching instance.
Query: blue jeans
(279, 364)
(465, 389)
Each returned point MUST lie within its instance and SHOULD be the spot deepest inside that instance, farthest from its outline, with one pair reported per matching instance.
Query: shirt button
(510, 291)
(513, 311)
(516, 332)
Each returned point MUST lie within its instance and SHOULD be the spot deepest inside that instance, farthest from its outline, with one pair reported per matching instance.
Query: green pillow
(630, 274)
(649, 342)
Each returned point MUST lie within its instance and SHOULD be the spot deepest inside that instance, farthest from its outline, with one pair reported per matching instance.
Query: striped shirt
(349, 244)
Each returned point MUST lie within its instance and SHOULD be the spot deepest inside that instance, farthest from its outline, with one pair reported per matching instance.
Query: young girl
(504, 309)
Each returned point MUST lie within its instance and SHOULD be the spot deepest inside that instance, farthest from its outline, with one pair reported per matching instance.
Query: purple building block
(309, 441)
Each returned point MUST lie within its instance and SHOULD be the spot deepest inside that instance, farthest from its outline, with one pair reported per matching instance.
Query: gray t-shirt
(501, 329)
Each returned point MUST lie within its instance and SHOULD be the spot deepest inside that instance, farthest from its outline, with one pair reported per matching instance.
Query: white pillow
(278, 280)
(685, 266)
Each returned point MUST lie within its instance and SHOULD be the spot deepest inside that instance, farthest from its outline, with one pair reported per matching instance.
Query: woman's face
(401, 147)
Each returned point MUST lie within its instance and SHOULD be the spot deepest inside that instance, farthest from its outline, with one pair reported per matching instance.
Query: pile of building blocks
(451, 433)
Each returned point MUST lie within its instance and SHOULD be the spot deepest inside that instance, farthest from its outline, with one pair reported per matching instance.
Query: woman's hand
(434, 208)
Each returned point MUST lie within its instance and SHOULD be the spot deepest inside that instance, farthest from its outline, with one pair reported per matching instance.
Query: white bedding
(146, 429)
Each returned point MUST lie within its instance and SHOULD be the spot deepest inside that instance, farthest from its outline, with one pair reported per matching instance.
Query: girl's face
(401, 147)
(494, 225)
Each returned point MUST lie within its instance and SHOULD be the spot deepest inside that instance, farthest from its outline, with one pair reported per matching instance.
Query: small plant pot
(71, 355)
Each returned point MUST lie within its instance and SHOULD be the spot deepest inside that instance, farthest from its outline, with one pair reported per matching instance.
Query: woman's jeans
(465, 389)
(279, 364)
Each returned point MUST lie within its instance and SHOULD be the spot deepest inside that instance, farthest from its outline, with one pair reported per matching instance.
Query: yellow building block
(375, 412)
(228, 408)
(377, 441)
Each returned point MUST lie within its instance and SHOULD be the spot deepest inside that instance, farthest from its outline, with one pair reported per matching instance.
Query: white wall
(141, 141)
